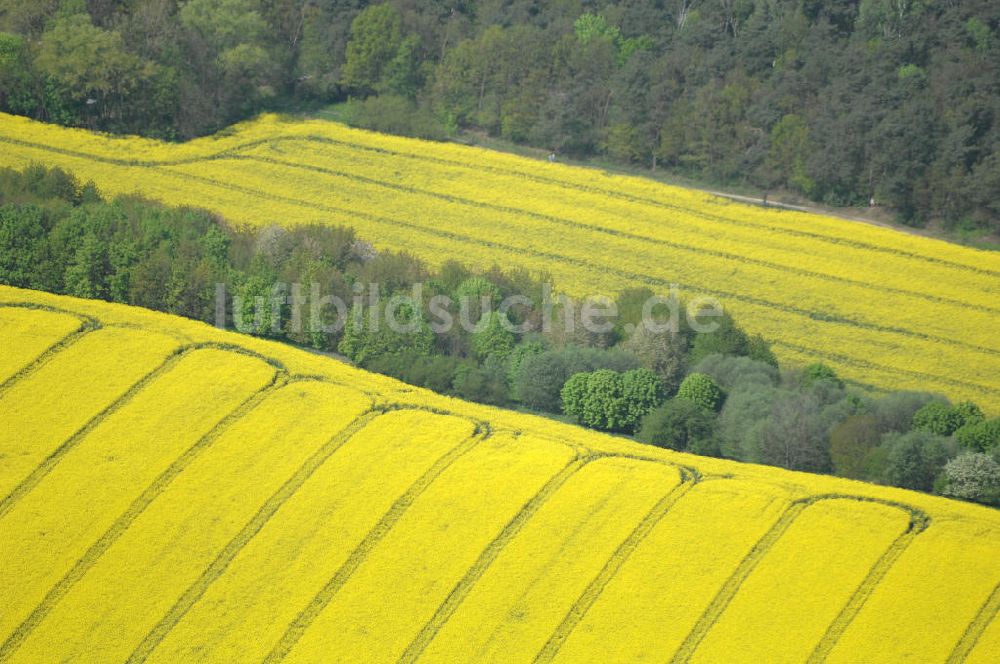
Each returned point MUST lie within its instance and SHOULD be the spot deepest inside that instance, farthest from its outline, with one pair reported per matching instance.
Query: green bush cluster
(609, 400)
(701, 389)
(59, 235)
(944, 420)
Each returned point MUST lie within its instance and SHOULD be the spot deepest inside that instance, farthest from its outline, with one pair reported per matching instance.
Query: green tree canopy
(701, 389)
(680, 424)
(609, 400)
(376, 37)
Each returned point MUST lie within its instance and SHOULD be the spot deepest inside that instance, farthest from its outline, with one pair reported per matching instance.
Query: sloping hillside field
(883, 308)
(171, 492)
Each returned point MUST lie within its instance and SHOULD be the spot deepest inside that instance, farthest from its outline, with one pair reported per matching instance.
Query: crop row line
(360, 553)
(457, 237)
(624, 274)
(486, 558)
(87, 325)
(732, 585)
(868, 364)
(715, 218)
(582, 457)
(45, 467)
(918, 522)
(569, 223)
(125, 520)
(221, 563)
(596, 587)
(987, 613)
(611, 193)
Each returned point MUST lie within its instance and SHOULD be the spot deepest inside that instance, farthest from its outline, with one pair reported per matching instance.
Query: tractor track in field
(626, 235)
(628, 275)
(486, 558)
(631, 276)
(611, 193)
(280, 378)
(225, 557)
(138, 506)
(918, 523)
(374, 536)
(583, 456)
(87, 325)
(868, 364)
(987, 613)
(50, 462)
(593, 591)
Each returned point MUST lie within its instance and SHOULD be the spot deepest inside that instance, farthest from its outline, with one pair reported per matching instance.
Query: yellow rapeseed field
(171, 492)
(885, 309)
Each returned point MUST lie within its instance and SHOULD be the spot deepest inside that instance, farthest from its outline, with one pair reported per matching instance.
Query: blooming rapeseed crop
(885, 309)
(174, 492)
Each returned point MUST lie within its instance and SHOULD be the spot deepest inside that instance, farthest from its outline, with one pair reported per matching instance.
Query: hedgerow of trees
(736, 402)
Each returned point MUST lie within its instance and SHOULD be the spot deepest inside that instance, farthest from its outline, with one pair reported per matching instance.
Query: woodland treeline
(848, 102)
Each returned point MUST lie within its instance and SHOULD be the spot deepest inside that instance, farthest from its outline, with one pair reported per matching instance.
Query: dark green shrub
(759, 350)
(914, 460)
(604, 405)
(981, 436)
(969, 412)
(819, 371)
(895, 410)
(937, 418)
(733, 373)
(680, 424)
(481, 384)
(851, 444)
(541, 376)
(794, 434)
(727, 339)
(495, 339)
(517, 357)
(366, 337)
(574, 395)
(642, 391)
(539, 380)
(662, 353)
(611, 401)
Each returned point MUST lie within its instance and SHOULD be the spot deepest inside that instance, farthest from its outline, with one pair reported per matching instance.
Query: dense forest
(886, 102)
(718, 393)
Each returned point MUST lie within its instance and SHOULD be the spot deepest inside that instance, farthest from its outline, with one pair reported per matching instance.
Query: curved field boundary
(987, 614)
(87, 325)
(123, 522)
(569, 223)
(135, 163)
(305, 618)
(312, 138)
(611, 568)
(225, 557)
(46, 466)
(624, 274)
(918, 522)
